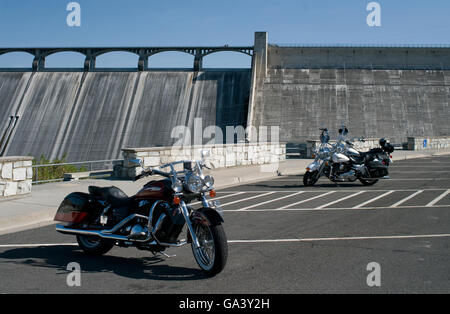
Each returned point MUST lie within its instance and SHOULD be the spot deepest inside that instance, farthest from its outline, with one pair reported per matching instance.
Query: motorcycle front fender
(315, 166)
(208, 216)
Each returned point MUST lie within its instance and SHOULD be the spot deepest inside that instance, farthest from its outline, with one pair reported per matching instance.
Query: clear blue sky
(42, 23)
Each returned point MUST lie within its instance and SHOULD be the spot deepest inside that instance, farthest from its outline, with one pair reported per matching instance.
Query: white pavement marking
(440, 171)
(373, 199)
(340, 200)
(307, 200)
(274, 200)
(387, 180)
(407, 199)
(36, 245)
(262, 210)
(438, 199)
(219, 198)
(426, 236)
(247, 199)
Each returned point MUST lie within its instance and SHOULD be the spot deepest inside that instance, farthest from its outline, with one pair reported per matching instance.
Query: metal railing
(349, 45)
(55, 172)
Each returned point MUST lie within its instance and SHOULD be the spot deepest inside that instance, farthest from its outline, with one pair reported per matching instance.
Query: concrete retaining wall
(222, 156)
(372, 103)
(16, 174)
(423, 143)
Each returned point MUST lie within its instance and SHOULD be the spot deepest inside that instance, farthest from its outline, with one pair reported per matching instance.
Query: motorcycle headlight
(177, 186)
(209, 181)
(194, 184)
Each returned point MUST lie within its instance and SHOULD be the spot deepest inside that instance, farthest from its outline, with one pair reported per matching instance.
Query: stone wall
(222, 156)
(15, 176)
(423, 143)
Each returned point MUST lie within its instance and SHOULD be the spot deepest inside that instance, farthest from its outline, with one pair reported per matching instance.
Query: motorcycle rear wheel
(94, 245)
(368, 182)
(212, 254)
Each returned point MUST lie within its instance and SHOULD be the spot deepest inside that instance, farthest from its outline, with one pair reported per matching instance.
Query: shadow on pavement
(58, 257)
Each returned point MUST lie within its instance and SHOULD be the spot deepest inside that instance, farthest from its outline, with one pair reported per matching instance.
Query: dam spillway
(92, 115)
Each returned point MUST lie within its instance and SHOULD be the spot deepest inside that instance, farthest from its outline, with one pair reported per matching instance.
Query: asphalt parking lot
(283, 238)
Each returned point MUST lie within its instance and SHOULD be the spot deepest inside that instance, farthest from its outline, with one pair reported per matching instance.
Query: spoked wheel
(94, 245)
(212, 254)
(310, 178)
(368, 182)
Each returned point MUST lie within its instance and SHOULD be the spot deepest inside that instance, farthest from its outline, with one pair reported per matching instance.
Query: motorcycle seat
(112, 195)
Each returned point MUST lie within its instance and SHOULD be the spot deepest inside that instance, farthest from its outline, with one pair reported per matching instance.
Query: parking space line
(6, 246)
(307, 200)
(398, 179)
(219, 198)
(340, 200)
(425, 236)
(248, 199)
(407, 199)
(439, 198)
(373, 199)
(315, 209)
(274, 200)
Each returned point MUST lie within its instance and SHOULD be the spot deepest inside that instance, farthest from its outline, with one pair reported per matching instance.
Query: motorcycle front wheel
(212, 254)
(310, 178)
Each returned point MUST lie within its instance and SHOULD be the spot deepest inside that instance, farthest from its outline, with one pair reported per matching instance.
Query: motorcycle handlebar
(152, 172)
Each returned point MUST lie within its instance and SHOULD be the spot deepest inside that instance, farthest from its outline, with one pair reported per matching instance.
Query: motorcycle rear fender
(74, 208)
(313, 167)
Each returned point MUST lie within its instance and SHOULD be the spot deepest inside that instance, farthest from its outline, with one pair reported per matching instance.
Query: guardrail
(55, 172)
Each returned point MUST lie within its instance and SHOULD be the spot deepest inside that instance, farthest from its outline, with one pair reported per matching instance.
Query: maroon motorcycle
(154, 218)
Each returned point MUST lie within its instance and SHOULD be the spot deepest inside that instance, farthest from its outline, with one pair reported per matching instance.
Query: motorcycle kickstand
(163, 254)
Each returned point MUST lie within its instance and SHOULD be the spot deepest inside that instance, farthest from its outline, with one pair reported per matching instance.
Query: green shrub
(53, 172)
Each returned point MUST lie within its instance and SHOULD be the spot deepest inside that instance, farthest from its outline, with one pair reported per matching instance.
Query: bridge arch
(227, 59)
(66, 59)
(116, 58)
(16, 59)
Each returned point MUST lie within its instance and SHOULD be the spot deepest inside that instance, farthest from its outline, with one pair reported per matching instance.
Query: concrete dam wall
(92, 115)
(377, 92)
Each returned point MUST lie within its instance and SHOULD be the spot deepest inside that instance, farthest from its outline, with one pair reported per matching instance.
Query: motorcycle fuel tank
(158, 190)
(353, 152)
(340, 158)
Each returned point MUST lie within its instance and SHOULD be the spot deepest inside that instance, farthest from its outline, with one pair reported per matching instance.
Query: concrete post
(38, 63)
(143, 61)
(89, 63)
(198, 61)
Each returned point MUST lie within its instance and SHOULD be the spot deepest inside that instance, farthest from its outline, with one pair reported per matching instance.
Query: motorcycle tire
(368, 182)
(309, 179)
(94, 245)
(213, 252)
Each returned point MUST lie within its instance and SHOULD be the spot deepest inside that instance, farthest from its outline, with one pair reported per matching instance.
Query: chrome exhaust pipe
(102, 234)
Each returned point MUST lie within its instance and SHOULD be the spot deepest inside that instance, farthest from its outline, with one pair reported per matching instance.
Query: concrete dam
(392, 92)
(92, 115)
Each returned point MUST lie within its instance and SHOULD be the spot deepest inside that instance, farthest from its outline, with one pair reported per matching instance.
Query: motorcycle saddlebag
(377, 169)
(74, 208)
